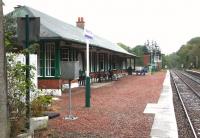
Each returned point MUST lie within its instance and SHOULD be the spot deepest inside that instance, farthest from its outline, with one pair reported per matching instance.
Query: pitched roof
(51, 27)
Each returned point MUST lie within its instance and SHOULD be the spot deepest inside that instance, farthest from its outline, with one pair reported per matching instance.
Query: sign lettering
(88, 34)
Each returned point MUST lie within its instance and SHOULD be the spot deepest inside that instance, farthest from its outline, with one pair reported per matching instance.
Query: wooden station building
(60, 41)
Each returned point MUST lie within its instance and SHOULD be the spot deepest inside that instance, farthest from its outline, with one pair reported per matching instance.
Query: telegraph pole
(4, 127)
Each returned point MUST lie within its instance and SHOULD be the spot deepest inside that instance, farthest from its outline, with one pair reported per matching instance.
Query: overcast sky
(169, 22)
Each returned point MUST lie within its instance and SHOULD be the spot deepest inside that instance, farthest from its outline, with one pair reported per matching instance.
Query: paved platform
(116, 109)
(164, 125)
(99, 85)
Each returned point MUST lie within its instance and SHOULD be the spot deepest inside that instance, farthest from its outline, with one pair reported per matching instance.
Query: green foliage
(194, 41)
(172, 60)
(188, 56)
(16, 81)
(139, 50)
(10, 32)
(40, 104)
(16, 76)
(127, 48)
(164, 61)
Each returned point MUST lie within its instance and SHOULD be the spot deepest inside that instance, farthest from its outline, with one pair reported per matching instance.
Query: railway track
(196, 73)
(188, 89)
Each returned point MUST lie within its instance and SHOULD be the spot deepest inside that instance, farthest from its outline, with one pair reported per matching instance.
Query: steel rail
(191, 76)
(185, 110)
(197, 93)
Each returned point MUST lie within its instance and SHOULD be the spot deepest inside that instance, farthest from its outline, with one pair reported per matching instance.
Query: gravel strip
(116, 110)
(184, 130)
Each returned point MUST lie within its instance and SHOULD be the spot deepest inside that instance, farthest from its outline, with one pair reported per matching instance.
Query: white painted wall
(80, 61)
(124, 64)
(33, 61)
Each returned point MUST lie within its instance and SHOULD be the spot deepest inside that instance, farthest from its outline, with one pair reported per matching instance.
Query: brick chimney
(80, 23)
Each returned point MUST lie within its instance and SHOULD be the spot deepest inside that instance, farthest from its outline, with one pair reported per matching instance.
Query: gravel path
(184, 130)
(116, 110)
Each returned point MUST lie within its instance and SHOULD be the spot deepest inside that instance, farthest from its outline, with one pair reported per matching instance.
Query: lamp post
(156, 56)
(151, 60)
(153, 56)
(88, 36)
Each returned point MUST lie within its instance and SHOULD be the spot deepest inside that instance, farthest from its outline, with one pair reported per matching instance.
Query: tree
(4, 127)
(189, 53)
(187, 56)
(127, 48)
(139, 50)
(172, 61)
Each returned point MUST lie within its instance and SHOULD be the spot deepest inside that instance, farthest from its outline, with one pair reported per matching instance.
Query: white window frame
(66, 54)
(101, 59)
(38, 62)
(49, 49)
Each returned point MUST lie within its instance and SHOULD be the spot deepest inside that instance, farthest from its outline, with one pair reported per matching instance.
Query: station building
(60, 41)
(153, 59)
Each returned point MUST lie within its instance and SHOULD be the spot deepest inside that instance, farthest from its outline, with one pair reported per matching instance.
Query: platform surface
(116, 109)
(164, 125)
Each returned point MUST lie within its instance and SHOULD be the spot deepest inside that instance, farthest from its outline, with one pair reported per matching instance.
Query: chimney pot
(80, 23)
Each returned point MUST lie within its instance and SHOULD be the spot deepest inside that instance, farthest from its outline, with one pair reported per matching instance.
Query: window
(124, 63)
(106, 62)
(101, 62)
(68, 54)
(110, 62)
(94, 58)
(75, 57)
(39, 60)
(49, 59)
(91, 61)
(65, 54)
(115, 62)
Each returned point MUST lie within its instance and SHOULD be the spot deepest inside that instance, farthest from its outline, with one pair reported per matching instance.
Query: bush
(16, 80)
(40, 104)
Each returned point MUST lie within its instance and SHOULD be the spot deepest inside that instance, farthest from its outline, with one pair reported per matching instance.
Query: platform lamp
(88, 37)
